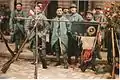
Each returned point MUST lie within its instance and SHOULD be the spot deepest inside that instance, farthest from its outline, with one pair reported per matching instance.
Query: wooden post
(113, 51)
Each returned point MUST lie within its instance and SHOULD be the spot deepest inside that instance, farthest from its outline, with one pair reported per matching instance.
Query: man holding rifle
(41, 25)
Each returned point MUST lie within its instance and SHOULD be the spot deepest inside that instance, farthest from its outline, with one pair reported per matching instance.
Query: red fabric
(87, 55)
(45, 2)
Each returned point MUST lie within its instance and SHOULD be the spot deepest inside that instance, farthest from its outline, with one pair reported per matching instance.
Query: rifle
(113, 49)
(6, 66)
(13, 58)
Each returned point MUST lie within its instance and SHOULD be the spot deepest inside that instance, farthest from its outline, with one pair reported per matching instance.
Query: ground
(23, 69)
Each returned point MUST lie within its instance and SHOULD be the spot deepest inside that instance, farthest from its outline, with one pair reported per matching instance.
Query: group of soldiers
(61, 38)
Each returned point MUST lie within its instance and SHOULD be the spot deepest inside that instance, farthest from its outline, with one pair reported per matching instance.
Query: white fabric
(87, 42)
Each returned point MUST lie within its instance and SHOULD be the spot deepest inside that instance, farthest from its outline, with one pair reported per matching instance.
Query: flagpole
(78, 6)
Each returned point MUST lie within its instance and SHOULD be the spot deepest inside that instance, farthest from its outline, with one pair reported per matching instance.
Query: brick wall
(4, 1)
(64, 3)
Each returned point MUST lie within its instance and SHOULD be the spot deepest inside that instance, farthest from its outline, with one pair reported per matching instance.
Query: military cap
(89, 11)
(98, 7)
(66, 7)
(19, 3)
(73, 6)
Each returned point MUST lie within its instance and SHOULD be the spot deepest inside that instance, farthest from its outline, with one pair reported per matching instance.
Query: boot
(44, 64)
(69, 60)
(98, 55)
(65, 64)
(58, 59)
(76, 60)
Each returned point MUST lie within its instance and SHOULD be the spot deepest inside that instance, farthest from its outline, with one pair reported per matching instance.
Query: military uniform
(17, 26)
(42, 25)
(59, 39)
(72, 43)
(101, 18)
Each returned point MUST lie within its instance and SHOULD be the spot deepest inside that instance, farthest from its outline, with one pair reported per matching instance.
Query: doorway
(83, 6)
(52, 7)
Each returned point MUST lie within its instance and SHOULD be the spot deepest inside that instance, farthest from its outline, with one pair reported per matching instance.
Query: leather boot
(65, 64)
(44, 64)
(69, 60)
(76, 60)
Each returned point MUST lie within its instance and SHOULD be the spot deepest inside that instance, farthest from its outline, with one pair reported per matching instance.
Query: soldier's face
(89, 16)
(37, 9)
(98, 11)
(59, 12)
(73, 10)
(40, 5)
(18, 7)
(66, 10)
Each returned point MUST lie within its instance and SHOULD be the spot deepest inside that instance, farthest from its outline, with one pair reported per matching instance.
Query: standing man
(99, 17)
(42, 25)
(59, 40)
(17, 26)
(73, 44)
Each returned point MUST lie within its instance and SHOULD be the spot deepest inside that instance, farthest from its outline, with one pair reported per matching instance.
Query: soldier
(99, 16)
(59, 40)
(17, 26)
(42, 25)
(74, 15)
(72, 43)
(89, 17)
(66, 12)
(41, 6)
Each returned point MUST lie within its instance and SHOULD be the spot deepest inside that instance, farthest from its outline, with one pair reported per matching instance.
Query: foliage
(113, 16)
